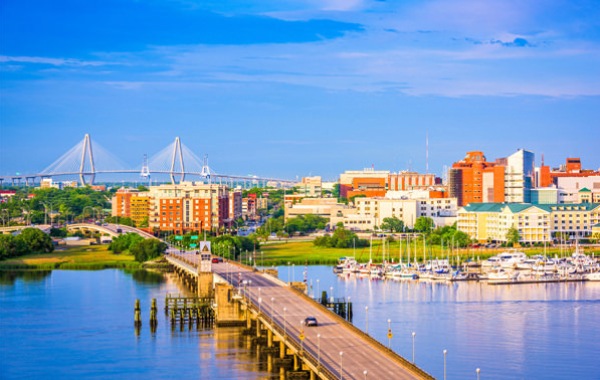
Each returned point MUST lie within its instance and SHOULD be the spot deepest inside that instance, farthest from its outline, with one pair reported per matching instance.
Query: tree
(424, 224)
(10, 246)
(148, 249)
(124, 242)
(512, 236)
(392, 224)
(36, 240)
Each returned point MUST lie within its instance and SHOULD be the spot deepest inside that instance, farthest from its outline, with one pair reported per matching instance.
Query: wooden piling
(137, 314)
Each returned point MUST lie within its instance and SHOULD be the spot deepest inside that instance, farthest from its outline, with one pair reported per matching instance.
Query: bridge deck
(360, 352)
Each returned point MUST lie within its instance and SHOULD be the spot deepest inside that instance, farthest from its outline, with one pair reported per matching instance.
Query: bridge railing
(393, 355)
(293, 341)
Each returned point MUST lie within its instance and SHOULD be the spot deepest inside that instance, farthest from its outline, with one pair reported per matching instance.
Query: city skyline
(301, 88)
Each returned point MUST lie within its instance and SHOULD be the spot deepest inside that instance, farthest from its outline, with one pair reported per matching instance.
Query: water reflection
(143, 276)
(509, 331)
(9, 277)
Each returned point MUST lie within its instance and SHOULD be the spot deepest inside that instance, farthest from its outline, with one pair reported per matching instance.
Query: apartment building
(535, 222)
(189, 207)
(370, 212)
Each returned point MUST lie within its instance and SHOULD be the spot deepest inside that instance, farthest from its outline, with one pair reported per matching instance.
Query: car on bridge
(311, 321)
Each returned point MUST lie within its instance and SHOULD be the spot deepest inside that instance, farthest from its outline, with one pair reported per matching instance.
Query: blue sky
(306, 87)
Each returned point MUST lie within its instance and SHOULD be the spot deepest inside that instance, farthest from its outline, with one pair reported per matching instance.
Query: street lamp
(341, 365)
(367, 319)
(413, 341)
(445, 352)
(319, 349)
(284, 328)
(365, 372)
(477, 372)
(301, 337)
(331, 290)
(259, 302)
(293, 272)
(272, 308)
(389, 333)
(289, 277)
(318, 295)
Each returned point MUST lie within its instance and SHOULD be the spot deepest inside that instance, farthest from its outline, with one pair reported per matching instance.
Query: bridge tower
(145, 173)
(88, 153)
(177, 153)
(205, 275)
(205, 172)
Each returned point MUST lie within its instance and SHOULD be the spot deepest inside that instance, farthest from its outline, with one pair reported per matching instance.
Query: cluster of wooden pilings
(341, 307)
(137, 316)
(190, 310)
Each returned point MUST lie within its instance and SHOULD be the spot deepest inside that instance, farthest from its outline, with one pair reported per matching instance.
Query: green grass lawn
(84, 257)
(305, 252)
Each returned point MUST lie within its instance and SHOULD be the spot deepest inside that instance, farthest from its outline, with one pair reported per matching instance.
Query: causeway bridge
(273, 311)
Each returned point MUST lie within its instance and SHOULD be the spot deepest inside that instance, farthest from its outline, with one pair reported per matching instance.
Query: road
(340, 348)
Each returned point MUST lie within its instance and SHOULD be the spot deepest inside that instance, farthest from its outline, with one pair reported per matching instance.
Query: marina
(508, 267)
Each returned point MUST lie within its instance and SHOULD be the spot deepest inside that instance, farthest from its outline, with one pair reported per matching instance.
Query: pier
(274, 312)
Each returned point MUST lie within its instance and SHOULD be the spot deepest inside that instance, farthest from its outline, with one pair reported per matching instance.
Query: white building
(569, 187)
(519, 177)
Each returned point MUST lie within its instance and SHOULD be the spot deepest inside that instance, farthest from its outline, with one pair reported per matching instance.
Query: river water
(79, 324)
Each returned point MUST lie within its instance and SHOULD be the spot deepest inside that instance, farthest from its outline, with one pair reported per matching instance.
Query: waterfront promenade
(335, 344)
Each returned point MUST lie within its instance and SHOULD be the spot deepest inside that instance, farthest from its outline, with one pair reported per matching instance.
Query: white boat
(592, 276)
(511, 259)
(502, 275)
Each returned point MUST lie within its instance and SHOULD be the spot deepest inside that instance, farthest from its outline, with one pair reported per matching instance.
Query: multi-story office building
(376, 183)
(519, 177)
(475, 180)
(235, 204)
(310, 186)
(132, 203)
(406, 206)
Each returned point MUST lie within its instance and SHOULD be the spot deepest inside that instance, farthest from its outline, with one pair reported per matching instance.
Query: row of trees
(341, 238)
(30, 240)
(45, 205)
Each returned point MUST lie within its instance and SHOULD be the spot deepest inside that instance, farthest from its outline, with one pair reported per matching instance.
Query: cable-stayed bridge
(175, 163)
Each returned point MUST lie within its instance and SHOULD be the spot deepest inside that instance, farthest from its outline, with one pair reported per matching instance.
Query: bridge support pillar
(228, 309)
(205, 284)
(296, 363)
(269, 338)
(281, 373)
(313, 375)
(258, 328)
(282, 350)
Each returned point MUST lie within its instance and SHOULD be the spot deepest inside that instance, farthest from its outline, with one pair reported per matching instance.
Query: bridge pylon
(177, 152)
(145, 173)
(87, 152)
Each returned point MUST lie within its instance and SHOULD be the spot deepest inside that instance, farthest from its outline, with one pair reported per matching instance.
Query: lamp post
(289, 276)
(331, 290)
(389, 333)
(272, 308)
(445, 352)
(319, 349)
(318, 295)
(477, 372)
(259, 302)
(301, 337)
(293, 272)
(367, 319)
(341, 365)
(365, 372)
(413, 346)
(284, 328)
(262, 261)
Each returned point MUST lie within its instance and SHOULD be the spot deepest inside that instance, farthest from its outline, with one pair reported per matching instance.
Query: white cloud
(51, 61)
